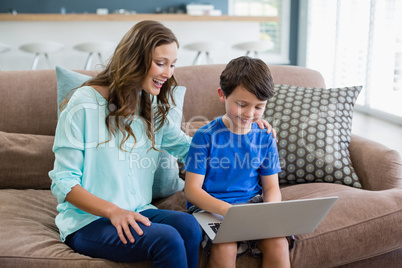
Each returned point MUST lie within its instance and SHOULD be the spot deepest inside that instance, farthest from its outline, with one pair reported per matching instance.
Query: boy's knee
(274, 246)
(223, 255)
(225, 249)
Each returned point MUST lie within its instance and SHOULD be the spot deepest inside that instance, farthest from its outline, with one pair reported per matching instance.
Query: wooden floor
(378, 130)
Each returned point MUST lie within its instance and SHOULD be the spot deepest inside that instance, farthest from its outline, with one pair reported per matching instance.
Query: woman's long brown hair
(124, 75)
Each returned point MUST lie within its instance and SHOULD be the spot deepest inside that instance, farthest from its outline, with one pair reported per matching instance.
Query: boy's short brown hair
(252, 73)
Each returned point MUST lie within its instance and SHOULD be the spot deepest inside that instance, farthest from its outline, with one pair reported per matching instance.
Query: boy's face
(242, 109)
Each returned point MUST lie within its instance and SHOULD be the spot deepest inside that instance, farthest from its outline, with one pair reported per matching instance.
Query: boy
(231, 155)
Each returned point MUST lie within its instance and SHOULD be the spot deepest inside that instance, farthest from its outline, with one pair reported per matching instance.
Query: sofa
(363, 228)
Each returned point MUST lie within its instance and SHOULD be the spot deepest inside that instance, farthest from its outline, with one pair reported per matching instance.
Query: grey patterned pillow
(314, 131)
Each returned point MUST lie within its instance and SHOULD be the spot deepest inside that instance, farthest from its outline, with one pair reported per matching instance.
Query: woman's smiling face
(163, 63)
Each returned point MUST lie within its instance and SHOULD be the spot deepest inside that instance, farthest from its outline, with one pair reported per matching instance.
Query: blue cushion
(67, 80)
(166, 177)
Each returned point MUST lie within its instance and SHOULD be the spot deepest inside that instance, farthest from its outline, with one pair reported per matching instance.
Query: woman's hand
(264, 124)
(122, 220)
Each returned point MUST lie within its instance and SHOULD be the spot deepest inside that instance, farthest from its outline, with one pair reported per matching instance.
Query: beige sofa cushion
(348, 231)
(25, 160)
(27, 224)
(344, 236)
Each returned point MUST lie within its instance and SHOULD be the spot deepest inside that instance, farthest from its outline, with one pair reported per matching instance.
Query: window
(354, 42)
(398, 49)
(275, 30)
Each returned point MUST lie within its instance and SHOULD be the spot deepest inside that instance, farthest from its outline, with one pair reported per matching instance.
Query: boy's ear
(222, 97)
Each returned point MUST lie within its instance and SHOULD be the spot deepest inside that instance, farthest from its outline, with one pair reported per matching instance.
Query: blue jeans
(172, 240)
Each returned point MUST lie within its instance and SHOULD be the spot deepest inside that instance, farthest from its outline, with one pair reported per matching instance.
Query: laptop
(252, 221)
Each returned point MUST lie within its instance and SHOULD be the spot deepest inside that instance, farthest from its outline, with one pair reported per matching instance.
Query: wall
(71, 33)
(53, 6)
(90, 6)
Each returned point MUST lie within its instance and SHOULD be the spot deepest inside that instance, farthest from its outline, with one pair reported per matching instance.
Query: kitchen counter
(129, 17)
(72, 29)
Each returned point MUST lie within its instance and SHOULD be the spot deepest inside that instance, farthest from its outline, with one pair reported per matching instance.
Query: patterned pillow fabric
(314, 132)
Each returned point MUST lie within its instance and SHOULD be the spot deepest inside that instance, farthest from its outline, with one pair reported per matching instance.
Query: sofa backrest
(28, 105)
(28, 99)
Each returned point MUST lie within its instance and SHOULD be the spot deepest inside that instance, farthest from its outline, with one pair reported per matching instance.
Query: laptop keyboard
(214, 226)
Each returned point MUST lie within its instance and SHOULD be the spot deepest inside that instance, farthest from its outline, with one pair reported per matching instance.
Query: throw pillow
(66, 81)
(25, 160)
(314, 132)
(190, 128)
(166, 177)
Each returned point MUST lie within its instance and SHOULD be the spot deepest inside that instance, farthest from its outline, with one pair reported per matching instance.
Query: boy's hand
(225, 209)
(196, 195)
(264, 124)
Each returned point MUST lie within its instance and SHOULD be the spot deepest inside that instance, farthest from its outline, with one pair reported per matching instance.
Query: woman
(104, 199)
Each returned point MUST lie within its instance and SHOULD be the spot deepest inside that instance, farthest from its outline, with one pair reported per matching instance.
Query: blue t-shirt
(232, 163)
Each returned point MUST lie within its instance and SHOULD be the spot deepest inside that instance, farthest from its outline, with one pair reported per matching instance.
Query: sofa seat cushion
(29, 236)
(25, 160)
(362, 224)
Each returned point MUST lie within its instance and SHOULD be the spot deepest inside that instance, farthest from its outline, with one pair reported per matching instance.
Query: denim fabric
(172, 240)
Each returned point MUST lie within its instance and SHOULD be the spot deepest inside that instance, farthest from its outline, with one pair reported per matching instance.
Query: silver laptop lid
(264, 220)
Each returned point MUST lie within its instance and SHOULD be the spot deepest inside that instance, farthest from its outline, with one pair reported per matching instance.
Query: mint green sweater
(124, 178)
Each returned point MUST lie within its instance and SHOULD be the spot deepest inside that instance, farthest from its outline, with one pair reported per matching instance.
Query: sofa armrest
(377, 166)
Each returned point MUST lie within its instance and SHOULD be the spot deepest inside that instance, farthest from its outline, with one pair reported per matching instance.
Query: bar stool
(41, 48)
(255, 46)
(3, 48)
(94, 48)
(203, 47)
